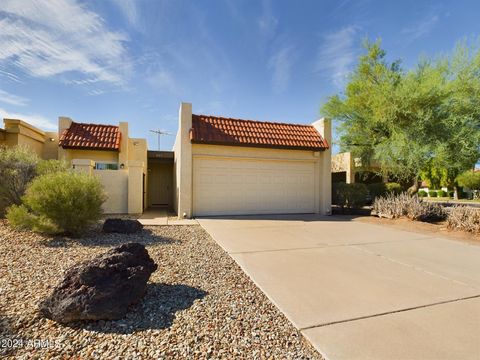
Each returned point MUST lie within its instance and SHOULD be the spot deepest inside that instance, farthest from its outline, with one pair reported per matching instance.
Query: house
(18, 132)
(346, 168)
(219, 165)
(225, 166)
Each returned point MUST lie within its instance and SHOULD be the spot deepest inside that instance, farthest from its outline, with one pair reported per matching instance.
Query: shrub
(422, 193)
(413, 207)
(441, 193)
(451, 194)
(61, 201)
(376, 190)
(469, 179)
(464, 218)
(393, 188)
(45, 167)
(432, 193)
(20, 218)
(18, 166)
(349, 195)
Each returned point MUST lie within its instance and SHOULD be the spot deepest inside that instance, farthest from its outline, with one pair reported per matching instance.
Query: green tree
(469, 179)
(425, 120)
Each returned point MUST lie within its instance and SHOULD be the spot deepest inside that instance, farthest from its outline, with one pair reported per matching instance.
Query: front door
(160, 183)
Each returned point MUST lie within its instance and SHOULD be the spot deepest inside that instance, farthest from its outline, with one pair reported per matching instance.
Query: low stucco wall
(115, 183)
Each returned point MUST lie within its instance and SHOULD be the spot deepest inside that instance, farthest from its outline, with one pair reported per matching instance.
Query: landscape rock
(122, 226)
(102, 288)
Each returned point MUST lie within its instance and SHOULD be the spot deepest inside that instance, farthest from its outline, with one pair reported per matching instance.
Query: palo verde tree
(411, 121)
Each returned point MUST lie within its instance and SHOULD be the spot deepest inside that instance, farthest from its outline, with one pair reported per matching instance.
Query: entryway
(160, 180)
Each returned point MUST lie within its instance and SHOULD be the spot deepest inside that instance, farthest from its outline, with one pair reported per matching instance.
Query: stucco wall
(97, 156)
(115, 183)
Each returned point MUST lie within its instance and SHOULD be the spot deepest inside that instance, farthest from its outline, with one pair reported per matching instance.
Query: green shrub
(441, 193)
(469, 179)
(20, 218)
(18, 166)
(432, 193)
(393, 188)
(451, 194)
(64, 201)
(422, 193)
(376, 190)
(349, 195)
(45, 167)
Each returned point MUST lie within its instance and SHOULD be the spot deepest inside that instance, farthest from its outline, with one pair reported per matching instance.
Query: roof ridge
(94, 124)
(254, 121)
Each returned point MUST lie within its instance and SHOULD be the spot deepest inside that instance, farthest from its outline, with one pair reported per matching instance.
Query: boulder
(102, 288)
(122, 226)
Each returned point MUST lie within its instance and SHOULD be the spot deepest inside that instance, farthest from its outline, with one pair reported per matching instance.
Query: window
(106, 166)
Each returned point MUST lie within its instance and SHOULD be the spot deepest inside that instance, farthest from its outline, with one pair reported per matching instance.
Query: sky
(107, 61)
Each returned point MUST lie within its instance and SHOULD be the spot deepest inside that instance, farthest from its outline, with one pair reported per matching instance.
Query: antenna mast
(159, 134)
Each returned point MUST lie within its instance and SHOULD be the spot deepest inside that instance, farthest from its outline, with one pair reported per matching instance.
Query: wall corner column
(324, 127)
(185, 162)
(135, 186)
(83, 165)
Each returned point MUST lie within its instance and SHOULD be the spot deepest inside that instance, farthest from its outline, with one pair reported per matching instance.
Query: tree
(18, 166)
(469, 179)
(425, 120)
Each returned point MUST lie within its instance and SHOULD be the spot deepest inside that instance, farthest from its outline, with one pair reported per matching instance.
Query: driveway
(359, 290)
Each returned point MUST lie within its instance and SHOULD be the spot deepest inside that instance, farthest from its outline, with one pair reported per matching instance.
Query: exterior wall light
(122, 166)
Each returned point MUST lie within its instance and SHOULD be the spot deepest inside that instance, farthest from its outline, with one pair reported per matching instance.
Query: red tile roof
(90, 136)
(217, 130)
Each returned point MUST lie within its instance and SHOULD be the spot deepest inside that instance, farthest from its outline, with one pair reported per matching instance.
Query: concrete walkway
(159, 217)
(362, 291)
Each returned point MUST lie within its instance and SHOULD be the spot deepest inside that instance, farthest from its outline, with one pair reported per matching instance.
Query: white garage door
(230, 186)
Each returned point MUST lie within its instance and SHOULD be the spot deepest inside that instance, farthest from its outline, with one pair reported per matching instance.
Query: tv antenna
(159, 134)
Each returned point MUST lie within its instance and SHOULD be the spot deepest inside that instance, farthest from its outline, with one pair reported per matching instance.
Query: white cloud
(281, 63)
(36, 120)
(163, 80)
(337, 54)
(421, 28)
(12, 99)
(48, 38)
(129, 11)
(267, 23)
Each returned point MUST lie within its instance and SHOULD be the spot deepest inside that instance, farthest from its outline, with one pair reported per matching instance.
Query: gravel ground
(199, 304)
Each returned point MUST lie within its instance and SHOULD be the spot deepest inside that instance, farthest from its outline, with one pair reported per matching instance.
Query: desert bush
(393, 188)
(405, 205)
(349, 195)
(45, 167)
(464, 218)
(376, 190)
(20, 218)
(60, 201)
(432, 193)
(422, 193)
(441, 193)
(18, 166)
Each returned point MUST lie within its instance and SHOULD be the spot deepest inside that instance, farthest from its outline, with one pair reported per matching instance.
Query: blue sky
(124, 60)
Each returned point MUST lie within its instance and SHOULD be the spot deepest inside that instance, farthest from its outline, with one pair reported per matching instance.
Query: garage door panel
(234, 186)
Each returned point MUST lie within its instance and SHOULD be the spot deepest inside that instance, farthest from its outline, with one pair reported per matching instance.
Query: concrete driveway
(362, 291)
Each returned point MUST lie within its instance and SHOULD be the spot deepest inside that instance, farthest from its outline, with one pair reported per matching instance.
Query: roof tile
(91, 136)
(217, 130)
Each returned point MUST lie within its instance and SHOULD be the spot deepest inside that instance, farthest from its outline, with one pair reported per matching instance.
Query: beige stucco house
(219, 166)
(225, 166)
(346, 168)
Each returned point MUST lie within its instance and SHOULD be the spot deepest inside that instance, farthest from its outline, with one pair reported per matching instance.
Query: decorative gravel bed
(199, 303)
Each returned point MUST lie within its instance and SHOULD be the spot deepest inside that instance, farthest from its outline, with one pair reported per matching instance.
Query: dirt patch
(436, 229)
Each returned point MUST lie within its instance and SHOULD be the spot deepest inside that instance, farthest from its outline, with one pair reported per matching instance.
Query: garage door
(230, 186)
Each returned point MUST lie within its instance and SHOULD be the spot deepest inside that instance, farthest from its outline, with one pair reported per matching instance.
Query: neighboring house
(346, 168)
(219, 166)
(227, 166)
(18, 132)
